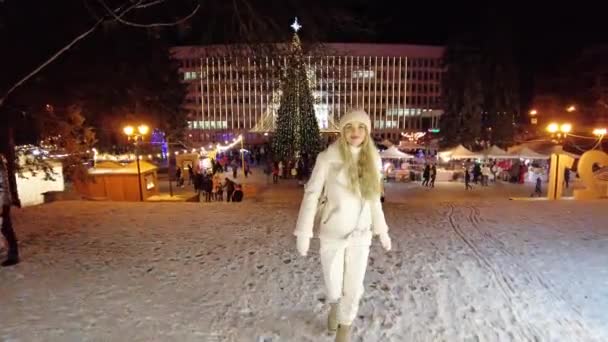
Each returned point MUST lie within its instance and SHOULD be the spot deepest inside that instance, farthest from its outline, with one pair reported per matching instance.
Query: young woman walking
(345, 186)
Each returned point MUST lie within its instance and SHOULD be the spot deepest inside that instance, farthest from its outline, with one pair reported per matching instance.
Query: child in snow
(347, 174)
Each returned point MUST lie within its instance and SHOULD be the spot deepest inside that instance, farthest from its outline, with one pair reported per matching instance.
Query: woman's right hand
(303, 243)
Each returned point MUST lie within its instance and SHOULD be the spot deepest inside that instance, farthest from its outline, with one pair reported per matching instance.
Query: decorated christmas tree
(297, 130)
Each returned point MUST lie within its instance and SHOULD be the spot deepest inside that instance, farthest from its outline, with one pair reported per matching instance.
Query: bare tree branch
(91, 11)
(130, 23)
(117, 14)
(50, 60)
(239, 20)
(149, 4)
(63, 50)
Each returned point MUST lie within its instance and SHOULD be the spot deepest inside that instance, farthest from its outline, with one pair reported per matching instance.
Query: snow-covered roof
(460, 152)
(496, 152)
(129, 169)
(527, 153)
(394, 153)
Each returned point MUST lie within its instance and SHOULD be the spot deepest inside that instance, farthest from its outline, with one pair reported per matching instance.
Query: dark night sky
(544, 35)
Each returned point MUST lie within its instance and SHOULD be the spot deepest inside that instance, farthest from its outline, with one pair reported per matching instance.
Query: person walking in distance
(178, 176)
(467, 179)
(229, 189)
(426, 174)
(346, 176)
(433, 175)
(538, 192)
(190, 174)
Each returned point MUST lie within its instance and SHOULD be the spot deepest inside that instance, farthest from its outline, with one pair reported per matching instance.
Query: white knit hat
(358, 115)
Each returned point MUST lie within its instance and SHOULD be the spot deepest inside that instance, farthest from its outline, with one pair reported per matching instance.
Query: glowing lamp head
(553, 128)
(143, 129)
(565, 128)
(128, 130)
(600, 131)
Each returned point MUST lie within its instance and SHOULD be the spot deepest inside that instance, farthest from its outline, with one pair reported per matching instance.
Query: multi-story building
(398, 85)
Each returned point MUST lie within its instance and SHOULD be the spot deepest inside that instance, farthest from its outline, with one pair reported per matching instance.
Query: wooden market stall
(114, 182)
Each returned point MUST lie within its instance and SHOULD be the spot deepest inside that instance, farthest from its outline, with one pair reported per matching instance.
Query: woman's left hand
(385, 240)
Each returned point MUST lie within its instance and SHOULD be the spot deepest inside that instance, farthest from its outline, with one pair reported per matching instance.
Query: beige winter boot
(332, 318)
(343, 334)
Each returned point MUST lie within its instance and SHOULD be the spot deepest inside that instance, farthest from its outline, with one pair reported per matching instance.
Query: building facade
(398, 85)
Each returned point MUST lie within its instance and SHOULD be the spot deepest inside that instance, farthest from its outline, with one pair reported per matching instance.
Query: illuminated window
(149, 179)
(363, 74)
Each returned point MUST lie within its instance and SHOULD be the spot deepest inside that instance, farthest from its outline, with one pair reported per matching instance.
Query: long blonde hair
(364, 175)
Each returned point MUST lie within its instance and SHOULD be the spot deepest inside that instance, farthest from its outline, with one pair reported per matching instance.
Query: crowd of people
(481, 174)
(211, 183)
(298, 169)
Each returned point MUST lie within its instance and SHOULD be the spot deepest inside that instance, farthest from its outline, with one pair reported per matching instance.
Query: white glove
(303, 243)
(385, 240)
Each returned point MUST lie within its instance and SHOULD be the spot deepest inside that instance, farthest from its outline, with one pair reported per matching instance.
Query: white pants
(344, 263)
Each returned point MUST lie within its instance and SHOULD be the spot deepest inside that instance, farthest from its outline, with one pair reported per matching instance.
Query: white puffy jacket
(345, 212)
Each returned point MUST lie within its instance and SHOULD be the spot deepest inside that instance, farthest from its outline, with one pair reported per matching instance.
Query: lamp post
(242, 154)
(533, 117)
(600, 133)
(142, 130)
(559, 130)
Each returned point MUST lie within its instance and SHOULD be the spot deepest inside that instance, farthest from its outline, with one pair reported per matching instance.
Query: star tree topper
(296, 26)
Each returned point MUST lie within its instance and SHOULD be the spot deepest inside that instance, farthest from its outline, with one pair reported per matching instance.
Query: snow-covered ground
(465, 266)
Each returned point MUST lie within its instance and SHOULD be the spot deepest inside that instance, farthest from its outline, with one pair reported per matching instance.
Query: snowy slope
(464, 267)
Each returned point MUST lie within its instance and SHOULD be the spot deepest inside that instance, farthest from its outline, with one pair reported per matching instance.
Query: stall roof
(460, 152)
(526, 153)
(394, 153)
(496, 152)
(130, 168)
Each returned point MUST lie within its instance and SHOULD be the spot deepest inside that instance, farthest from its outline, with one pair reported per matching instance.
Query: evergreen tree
(462, 96)
(297, 130)
(500, 86)
(481, 98)
(65, 130)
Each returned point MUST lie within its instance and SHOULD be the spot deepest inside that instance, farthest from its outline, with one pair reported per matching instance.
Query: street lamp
(552, 128)
(142, 130)
(600, 132)
(128, 130)
(565, 128)
(571, 109)
(242, 153)
(559, 130)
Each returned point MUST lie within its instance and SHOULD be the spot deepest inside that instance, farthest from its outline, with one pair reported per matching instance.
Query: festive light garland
(231, 145)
